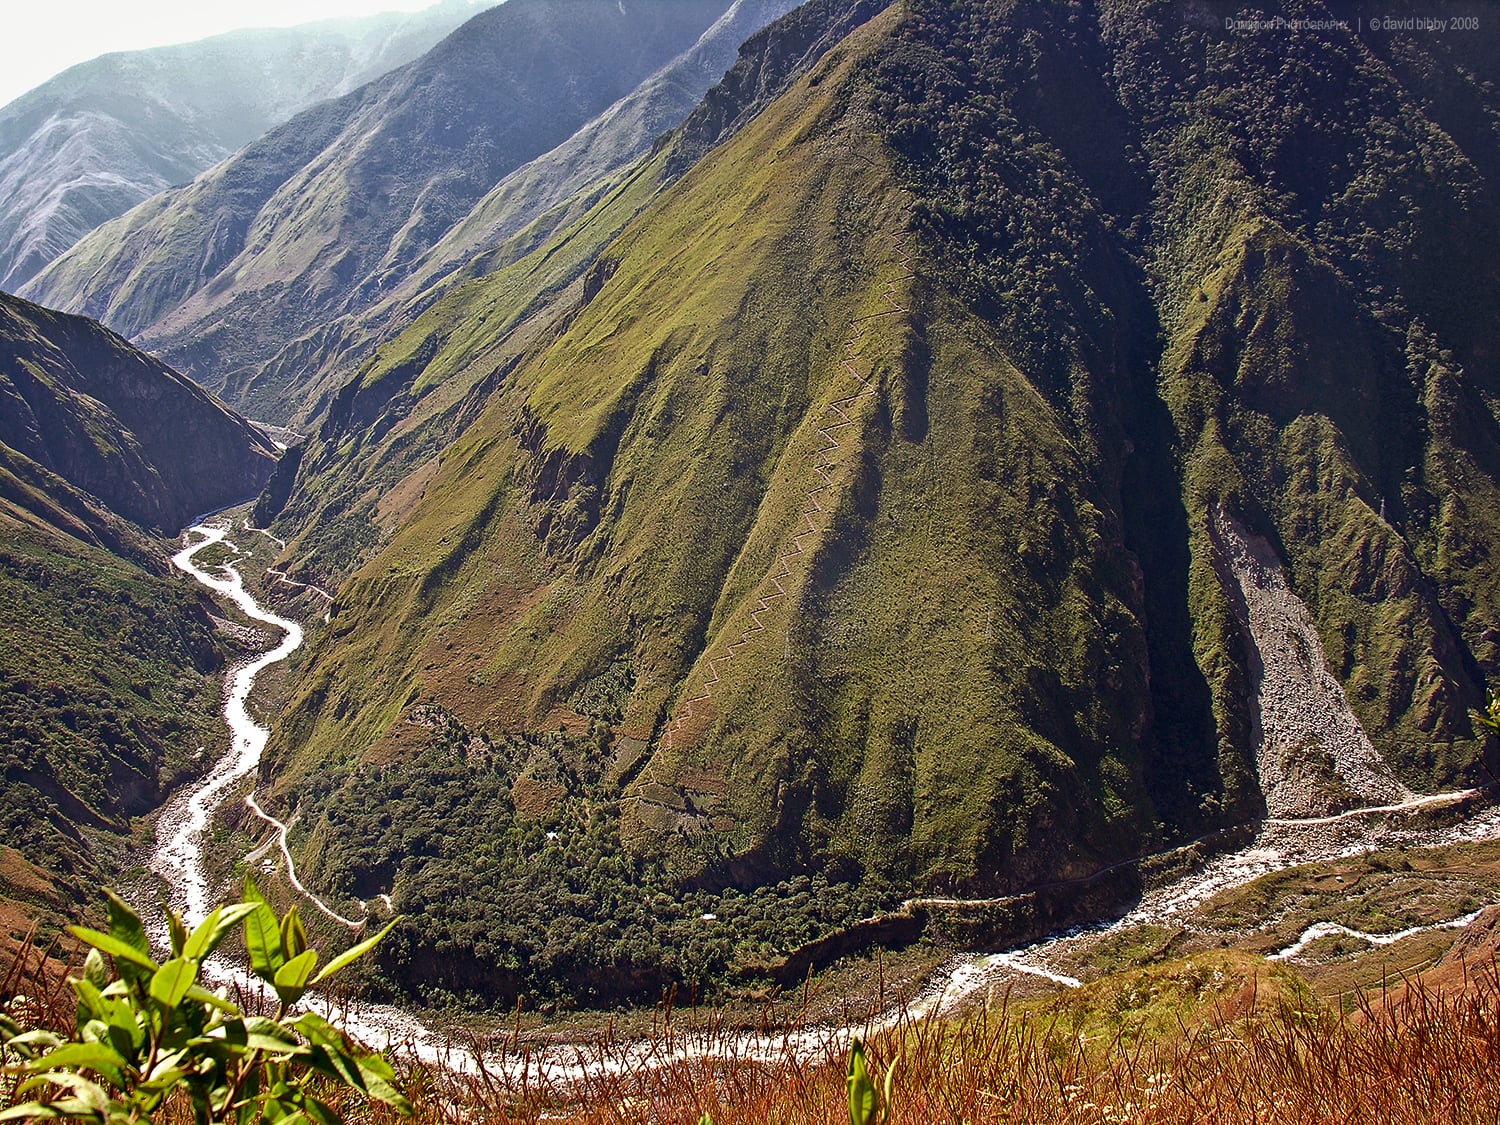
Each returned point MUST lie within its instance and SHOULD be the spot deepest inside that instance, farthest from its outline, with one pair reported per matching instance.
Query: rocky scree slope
(104, 135)
(328, 212)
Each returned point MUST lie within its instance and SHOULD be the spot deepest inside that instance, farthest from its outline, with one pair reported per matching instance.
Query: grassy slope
(1000, 651)
(418, 392)
(580, 520)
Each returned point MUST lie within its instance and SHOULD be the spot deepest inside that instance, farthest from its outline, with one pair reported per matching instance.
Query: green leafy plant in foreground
(153, 1028)
(867, 1106)
(1489, 718)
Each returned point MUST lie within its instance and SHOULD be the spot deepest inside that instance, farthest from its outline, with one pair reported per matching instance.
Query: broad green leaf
(885, 1096)
(176, 929)
(172, 981)
(268, 1035)
(291, 979)
(31, 1111)
(210, 932)
(125, 1028)
(706, 1119)
(90, 1003)
(319, 1112)
(293, 936)
(296, 971)
(200, 995)
(95, 1056)
(94, 969)
(274, 1044)
(197, 944)
(168, 1065)
(162, 1080)
(40, 1038)
(90, 1094)
(336, 1063)
(378, 1083)
(861, 1089)
(319, 1030)
(230, 1032)
(122, 951)
(372, 1062)
(354, 953)
(329, 1055)
(125, 924)
(263, 942)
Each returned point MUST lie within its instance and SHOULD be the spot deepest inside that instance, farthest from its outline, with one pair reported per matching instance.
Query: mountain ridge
(1014, 656)
(385, 170)
(109, 693)
(103, 135)
(85, 405)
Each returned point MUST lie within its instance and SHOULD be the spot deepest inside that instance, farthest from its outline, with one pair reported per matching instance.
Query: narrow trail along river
(1280, 843)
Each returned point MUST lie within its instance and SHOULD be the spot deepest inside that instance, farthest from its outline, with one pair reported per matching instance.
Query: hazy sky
(39, 38)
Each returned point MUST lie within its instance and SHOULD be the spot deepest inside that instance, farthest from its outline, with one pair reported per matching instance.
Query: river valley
(1060, 961)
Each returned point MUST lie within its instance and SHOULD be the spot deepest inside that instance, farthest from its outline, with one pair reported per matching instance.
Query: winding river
(1280, 843)
(179, 833)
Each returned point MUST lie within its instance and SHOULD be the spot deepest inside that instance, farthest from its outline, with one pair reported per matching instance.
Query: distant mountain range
(329, 213)
(97, 139)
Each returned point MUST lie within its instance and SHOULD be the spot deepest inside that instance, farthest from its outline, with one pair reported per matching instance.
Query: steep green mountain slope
(154, 447)
(102, 136)
(338, 496)
(108, 687)
(653, 461)
(859, 509)
(107, 661)
(325, 213)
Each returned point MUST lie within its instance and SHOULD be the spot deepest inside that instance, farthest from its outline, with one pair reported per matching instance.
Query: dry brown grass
(1416, 1054)
(1428, 1051)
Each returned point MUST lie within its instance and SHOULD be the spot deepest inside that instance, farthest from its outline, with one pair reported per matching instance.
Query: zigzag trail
(781, 567)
